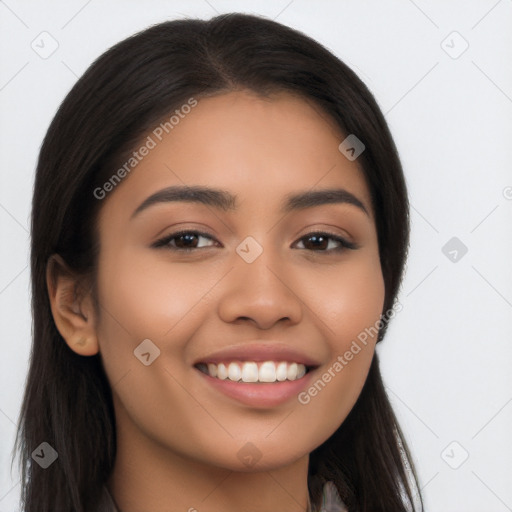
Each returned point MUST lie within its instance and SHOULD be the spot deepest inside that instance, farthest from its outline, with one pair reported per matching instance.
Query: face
(254, 285)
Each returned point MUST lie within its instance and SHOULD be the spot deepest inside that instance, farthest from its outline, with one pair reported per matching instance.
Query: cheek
(350, 299)
(351, 304)
(148, 297)
(162, 303)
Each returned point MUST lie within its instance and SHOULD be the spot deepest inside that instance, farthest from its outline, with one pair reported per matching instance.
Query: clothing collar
(331, 501)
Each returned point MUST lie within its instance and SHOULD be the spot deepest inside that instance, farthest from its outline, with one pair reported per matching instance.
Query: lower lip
(259, 394)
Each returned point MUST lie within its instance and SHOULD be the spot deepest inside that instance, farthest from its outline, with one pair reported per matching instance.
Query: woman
(220, 226)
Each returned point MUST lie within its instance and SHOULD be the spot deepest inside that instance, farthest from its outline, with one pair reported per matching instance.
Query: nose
(260, 292)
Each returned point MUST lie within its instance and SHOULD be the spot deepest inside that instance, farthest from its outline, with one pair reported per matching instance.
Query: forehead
(259, 148)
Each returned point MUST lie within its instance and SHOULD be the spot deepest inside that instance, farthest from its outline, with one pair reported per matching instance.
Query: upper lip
(259, 352)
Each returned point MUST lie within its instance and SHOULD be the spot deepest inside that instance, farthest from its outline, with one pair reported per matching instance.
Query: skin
(178, 438)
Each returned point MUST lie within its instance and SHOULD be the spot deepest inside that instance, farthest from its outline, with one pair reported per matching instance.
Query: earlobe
(72, 307)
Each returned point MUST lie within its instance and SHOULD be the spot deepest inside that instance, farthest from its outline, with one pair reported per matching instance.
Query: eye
(325, 242)
(316, 242)
(184, 241)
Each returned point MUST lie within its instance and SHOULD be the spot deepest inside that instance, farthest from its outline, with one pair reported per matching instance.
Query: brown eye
(184, 241)
(325, 242)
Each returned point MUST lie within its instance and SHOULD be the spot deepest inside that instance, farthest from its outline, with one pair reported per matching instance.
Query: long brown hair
(132, 86)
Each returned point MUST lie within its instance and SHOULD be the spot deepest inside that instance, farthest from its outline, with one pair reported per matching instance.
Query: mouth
(260, 385)
(255, 371)
(258, 374)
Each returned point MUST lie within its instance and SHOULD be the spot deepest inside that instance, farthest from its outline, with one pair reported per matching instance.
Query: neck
(148, 476)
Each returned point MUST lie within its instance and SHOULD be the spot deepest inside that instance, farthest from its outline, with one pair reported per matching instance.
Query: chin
(251, 459)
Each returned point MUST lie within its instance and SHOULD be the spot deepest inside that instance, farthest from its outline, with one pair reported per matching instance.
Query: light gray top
(331, 501)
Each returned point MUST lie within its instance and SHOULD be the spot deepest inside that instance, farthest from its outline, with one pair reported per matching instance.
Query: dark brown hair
(126, 91)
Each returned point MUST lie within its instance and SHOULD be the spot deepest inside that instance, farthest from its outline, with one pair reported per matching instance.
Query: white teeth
(249, 372)
(234, 372)
(212, 369)
(268, 371)
(292, 371)
(222, 372)
(281, 371)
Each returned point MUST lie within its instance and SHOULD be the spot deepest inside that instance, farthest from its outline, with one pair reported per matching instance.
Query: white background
(446, 358)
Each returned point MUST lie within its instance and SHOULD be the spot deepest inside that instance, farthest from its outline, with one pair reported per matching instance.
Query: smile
(252, 371)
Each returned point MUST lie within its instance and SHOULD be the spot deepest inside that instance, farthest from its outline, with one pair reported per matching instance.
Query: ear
(72, 307)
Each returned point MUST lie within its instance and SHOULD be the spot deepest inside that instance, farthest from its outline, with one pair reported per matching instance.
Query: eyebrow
(225, 201)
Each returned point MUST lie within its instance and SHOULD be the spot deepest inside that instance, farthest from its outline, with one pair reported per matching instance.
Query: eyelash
(165, 242)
